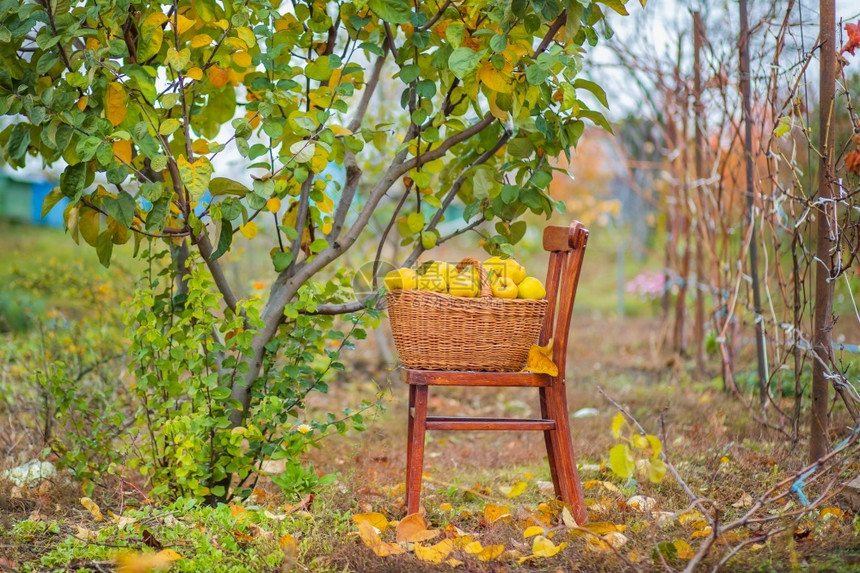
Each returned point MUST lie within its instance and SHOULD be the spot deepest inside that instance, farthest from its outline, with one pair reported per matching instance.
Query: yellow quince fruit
(404, 279)
(465, 284)
(506, 268)
(531, 288)
(504, 287)
(435, 277)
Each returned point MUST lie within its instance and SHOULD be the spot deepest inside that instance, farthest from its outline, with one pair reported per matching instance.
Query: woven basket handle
(486, 291)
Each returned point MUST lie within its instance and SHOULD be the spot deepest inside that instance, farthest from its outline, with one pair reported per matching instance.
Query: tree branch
(369, 90)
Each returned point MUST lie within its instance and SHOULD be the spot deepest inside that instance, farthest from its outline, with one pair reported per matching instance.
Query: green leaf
(621, 461)
(225, 239)
(104, 247)
(415, 222)
(73, 179)
(783, 127)
(536, 75)
(428, 240)
(87, 147)
(282, 260)
(224, 186)
(121, 208)
(595, 89)
(463, 61)
(319, 69)
(597, 117)
(19, 140)
(158, 215)
(393, 11)
(51, 199)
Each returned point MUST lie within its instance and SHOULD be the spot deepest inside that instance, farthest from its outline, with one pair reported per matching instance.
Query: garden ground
(491, 486)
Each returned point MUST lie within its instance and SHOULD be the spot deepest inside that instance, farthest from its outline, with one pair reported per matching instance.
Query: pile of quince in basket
(508, 279)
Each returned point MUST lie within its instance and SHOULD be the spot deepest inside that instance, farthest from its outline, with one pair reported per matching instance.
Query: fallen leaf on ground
(543, 547)
(445, 507)
(288, 545)
(567, 519)
(685, 551)
(413, 529)
(606, 542)
(91, 506)
(515, 490)
(642, 503)
(493, 513)
(598, 527)
(371, 538)
(540, 360)
(744, 501)
(454, 563)
(704, 532)
(85, 534)
(142, 562)
(834, 511)
(532, 531)
(377, 520)
(434, 553)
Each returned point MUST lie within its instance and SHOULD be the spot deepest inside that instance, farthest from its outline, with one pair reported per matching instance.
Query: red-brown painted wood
(461, 423)
(448, 378)
(567, 250)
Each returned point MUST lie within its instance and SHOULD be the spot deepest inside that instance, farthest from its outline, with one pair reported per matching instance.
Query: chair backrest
(566, 246)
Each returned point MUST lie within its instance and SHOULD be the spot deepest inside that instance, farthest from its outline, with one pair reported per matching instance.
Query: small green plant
(635, 452)
(185, 355)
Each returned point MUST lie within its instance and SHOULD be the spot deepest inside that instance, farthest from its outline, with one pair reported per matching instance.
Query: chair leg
(565, 459)
(549, 437)
(410, 429)
(415, 448)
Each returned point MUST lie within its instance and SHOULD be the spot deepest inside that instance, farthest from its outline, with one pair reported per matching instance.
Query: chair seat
(464, 378)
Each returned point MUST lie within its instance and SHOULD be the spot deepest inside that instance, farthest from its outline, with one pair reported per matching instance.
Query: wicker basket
(437, 331)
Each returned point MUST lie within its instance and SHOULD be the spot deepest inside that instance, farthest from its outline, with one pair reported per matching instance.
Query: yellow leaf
(91, 506)
(273, 205)
(370, 537)
(82, 103)
(184, 24)
(288, 545)
(169, 554)
(151, 36)
(567, 519)
(445, 507)
(377, 520)
(200, 146)
(201, 40)
(606, 542)
(494, 513)
(326, 205)
(249, 229)
(514, 491)
(704, 532)
(194, 73)
(473, 547)
(115, 108)
(454, 563)
(413, 528)
(834, 511)
(598, 527)
(543, 547)
(434, 553)
(540, 360)
(339, 130)
(490, 552)
(617, 423)
(142, 562)
(690, 516)
(496, 80)
(242, 59)
(122, 149)
(247, 36)
(532, 531)
(195, 175)
(217, 76)
(684, 549)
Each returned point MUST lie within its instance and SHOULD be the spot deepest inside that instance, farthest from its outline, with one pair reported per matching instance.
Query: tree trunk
(822, 329)
(699, 159)
(753, 247)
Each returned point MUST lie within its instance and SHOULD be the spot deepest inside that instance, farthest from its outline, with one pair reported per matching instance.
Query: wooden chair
(567, 249)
